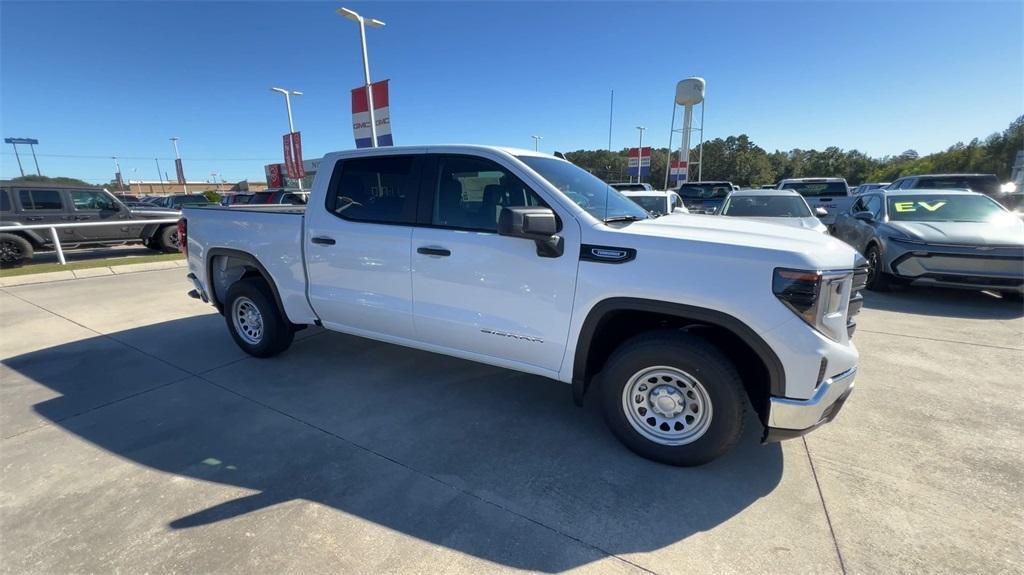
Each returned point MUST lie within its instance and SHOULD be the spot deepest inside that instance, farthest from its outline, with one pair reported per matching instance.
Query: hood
(748, 238)
(808, 223)
(1002, 233)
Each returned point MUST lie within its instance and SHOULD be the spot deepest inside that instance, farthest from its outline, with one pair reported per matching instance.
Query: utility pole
(159, 174)
(178, 167)
(117, 172)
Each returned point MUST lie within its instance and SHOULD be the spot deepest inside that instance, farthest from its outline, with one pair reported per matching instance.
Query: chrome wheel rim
(248, 320)
(667, 405)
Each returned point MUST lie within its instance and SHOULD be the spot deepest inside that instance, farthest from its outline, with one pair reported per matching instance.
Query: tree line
(739, 160)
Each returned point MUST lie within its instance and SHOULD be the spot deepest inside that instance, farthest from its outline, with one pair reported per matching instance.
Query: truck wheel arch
(245, 264)
(601, 332)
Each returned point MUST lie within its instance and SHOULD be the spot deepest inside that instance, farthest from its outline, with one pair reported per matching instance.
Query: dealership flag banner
(677, 171)
(300, 172)
(181, 171)
(639, 158)
(381, 112)
(289, 161)
(273, 172)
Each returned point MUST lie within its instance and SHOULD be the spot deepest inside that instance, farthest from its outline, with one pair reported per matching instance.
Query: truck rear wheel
(674, 398)
(254, 320)
(167, 239)
(14, 250)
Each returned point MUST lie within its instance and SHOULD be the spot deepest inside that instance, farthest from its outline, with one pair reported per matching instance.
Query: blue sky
(97, 79)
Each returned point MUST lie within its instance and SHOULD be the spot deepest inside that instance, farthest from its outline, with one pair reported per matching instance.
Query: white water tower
(689, 93)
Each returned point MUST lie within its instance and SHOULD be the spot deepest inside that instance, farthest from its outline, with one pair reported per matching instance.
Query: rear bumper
(789, 418)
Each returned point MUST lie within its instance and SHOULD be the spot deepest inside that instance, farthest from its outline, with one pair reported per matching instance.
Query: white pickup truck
(523, 260)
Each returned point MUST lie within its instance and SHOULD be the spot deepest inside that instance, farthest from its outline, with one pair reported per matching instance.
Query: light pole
(117, 173)
(159, 174)
(352, 15)
(177, 163)
(640, 155)
(536, 142)
(288, 104)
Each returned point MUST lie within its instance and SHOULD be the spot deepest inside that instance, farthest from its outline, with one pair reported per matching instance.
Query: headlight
(820, 298)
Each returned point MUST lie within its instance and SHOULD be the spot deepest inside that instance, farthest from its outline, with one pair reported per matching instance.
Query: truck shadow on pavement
(482, 460)
(944, 302)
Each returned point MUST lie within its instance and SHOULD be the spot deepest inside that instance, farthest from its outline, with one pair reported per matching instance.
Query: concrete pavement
(137, 437)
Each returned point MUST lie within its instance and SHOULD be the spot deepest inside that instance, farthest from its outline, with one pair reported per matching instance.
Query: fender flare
(249, 259)
(600, 310)
(149, 231)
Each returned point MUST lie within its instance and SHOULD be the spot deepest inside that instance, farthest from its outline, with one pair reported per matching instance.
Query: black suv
(34, 203)
(987, 184)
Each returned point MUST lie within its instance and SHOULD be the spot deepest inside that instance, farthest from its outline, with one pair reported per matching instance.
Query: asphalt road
(138, 438)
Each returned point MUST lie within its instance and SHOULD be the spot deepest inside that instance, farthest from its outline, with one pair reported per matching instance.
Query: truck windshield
(589, 192)
(944, 208)
(815, 189)
(767, 207)
(704, 191)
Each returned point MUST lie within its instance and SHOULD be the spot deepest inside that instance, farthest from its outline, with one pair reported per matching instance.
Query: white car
(658, 203)
(522, 260)
(784, 207)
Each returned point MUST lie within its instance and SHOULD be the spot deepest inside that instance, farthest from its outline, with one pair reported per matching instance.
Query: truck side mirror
(864, 216)
(537, 224)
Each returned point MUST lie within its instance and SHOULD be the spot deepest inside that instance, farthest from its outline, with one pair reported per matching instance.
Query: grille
(860, 279)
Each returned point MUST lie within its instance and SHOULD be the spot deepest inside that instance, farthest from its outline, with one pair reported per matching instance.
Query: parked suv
(33, 203)
(525, 261)
(987, 184)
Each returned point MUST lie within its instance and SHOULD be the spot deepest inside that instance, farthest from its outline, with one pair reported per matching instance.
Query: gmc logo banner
(381, 113)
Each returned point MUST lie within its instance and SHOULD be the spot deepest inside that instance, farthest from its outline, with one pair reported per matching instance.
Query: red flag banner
(300, 172)
(289, 161)
(274, 176)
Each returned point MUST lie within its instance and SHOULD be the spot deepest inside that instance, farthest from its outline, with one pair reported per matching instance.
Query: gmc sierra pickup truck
(525, 261)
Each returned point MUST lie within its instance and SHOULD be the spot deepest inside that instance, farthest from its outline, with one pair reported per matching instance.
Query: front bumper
(789, 418)
(958, 267)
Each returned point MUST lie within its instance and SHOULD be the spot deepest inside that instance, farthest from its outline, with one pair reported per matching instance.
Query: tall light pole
(288, 104)
(352, 15)
(159, 174)
(640, 155)
(536, 142)
(117, 172)
(177, 160)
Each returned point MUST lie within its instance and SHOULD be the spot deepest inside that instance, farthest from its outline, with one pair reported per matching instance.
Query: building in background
(157, 188)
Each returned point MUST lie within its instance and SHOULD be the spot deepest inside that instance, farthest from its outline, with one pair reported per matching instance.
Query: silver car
(946, 238)
(784, 207)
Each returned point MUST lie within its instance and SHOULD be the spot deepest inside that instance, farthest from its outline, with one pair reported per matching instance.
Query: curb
(49, 277)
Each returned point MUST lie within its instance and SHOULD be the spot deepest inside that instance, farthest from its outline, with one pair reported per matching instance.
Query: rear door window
(382, 190)
(39, 200)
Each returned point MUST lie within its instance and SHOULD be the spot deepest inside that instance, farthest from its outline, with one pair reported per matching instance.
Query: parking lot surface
(138, 438)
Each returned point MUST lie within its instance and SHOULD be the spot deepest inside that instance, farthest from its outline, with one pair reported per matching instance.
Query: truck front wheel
(674, 398)
(14, 250)
(254, 320)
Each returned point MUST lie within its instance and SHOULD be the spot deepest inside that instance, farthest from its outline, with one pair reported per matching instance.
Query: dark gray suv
(32, 203)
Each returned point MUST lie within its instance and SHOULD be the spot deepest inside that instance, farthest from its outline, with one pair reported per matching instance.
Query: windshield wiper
(625, 218)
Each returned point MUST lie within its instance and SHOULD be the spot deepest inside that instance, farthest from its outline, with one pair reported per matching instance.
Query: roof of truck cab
(442, 148)
(765, 192)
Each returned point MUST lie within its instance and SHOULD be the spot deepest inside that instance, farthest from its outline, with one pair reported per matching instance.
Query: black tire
(275, 334)
(14, 250)
(878, 280)
(696, 358)
(166, 239)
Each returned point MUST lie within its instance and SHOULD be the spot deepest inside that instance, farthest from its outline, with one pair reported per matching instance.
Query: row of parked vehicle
(946, 230)
(40, 203)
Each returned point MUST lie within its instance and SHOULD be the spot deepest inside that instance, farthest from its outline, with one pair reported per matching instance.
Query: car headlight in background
(820, 298)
